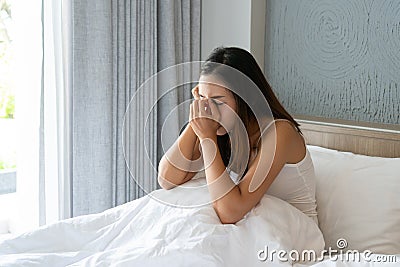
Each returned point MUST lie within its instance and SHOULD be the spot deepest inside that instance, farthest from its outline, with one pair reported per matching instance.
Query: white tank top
(295, 184)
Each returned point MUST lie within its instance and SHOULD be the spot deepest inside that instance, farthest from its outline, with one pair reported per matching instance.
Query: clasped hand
(204, 117)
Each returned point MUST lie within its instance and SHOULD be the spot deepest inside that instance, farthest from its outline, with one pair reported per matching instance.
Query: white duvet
(146, 232)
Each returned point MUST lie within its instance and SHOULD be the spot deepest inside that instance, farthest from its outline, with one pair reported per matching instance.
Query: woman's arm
(174, 166)
(231, 202)
(181, 162)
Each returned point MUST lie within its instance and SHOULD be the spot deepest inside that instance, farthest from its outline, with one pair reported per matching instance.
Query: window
(20, 85)
(7, 120)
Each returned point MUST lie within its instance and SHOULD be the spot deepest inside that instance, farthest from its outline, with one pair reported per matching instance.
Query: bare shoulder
(285, 127)
(288, 139)
(284, 130)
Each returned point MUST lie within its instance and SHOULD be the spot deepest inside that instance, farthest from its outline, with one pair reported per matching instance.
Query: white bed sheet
(145, 232)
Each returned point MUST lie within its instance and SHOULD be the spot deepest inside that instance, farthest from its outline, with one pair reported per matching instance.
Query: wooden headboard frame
(382, 140)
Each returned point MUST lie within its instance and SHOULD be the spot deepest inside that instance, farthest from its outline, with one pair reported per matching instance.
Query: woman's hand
(204, 118)
(195, 92)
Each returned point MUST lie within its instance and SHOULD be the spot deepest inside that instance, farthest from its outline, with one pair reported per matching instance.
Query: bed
(358, 198)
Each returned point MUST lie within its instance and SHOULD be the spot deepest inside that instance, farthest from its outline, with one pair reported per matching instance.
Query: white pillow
(358, 199)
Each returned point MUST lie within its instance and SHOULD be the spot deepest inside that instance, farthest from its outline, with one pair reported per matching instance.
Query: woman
(288, 173)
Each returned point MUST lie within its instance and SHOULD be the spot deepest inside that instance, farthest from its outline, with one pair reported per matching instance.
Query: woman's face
(212, 89)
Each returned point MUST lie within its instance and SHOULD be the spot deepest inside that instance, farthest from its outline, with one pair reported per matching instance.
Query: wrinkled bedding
(148, 232)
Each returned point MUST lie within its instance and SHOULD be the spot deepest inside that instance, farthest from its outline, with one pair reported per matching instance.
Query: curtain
(55, 120)
(112, 48)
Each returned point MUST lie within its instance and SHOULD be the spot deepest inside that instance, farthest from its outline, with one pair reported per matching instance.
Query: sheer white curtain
(54, 173)
(42, 103)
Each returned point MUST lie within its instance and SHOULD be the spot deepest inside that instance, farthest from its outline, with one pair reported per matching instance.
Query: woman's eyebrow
(215, 97)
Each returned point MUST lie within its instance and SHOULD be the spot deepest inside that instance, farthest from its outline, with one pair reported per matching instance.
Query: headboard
(382, 140)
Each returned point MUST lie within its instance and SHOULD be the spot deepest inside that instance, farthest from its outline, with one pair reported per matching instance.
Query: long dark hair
(244, 62)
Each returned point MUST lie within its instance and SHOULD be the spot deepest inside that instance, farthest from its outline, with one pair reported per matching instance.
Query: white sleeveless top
(295, 184)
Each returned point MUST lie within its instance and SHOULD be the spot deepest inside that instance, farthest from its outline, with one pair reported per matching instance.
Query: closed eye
(214, 97)
(218, 103)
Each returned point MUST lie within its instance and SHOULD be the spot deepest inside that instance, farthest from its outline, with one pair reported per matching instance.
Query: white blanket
(146, 232)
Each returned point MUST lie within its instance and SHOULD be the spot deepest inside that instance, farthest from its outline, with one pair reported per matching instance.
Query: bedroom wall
(233, 23)
(219, 28)
(335, 59)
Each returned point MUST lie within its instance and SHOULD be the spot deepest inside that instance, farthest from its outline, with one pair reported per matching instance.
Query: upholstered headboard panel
(382, 140)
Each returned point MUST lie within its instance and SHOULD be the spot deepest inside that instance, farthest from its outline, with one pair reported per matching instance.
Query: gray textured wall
(335, 59)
